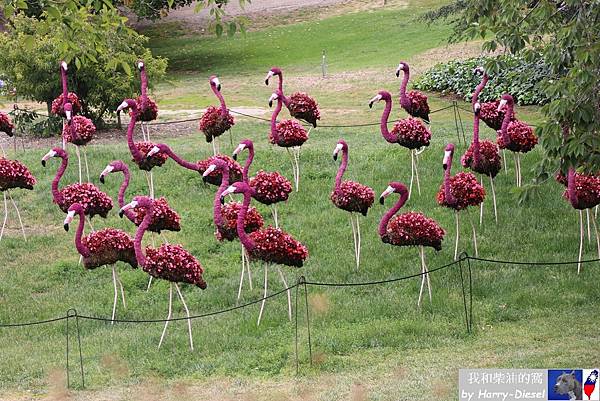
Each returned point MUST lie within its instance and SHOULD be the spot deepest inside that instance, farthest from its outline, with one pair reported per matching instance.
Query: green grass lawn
(366, 340)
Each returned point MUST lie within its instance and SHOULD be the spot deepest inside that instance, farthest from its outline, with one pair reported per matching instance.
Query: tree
(100, 49)
(565, 35)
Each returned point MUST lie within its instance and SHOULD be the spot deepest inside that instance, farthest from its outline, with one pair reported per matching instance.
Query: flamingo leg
(248, 268)
(87, 168)
(18, 215)
(214, 146)
(597, 239)
(2, 148)
(5, 215)
(596, 212)
(90, 223)
(262, 304)
(416, 163)
(79, 163)
(474, 234)
(150, 279)
(274, 213)
(427, 275)
(289, 293)
(504, 161)
(412, 173)
(581, 235)
(354, 238)
(422, 277)
(519, 177)
(187, 312)
(516, 168)
(481, 206)
(494, 199)
(122, 290)
(151, 176)
(243, 271)
(116, 297)
(589, 232)
(296, 152)
(147, 131)
(162, 337)
(359, 240)
(457, 234)
(293, 161)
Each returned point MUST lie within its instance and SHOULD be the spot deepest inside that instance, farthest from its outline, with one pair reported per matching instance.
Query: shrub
(520, 79)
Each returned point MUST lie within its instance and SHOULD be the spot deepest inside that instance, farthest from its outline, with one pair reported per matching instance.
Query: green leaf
(219, 29)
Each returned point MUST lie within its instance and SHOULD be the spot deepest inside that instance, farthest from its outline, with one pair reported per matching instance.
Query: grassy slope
(373, 336)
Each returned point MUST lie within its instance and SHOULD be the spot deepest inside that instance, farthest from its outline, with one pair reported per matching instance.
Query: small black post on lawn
(302, 281)
(72, 313)
(458, 122)
(463, 256)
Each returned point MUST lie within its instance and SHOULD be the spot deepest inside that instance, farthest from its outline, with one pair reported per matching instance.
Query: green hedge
(520, 78)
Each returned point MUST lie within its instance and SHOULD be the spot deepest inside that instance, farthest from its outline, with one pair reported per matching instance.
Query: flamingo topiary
(488, 112)
(79, 131)
(410, 229)
(482, 157)
(6, 126)
(270, 187)
(458, 192)
(139, 151)
(515, 135)
(13, 174)
(148, 110)
(287, 134)
(409, 133)
(351, 197)
(169, 262)
(414, 102)
(102, 248)
(299, 104)
(216, 121)
(271, 245)
(58, 104)
(93, 201)
(225, 217)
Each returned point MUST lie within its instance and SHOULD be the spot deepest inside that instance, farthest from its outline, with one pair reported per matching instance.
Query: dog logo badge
(565, 384)
(590, 387)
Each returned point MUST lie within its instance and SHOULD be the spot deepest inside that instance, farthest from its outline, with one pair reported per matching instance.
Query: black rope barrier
(509, 262)
(72, 313)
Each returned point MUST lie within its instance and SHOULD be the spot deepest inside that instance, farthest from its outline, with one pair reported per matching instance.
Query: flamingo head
(140, 65)
(113, 166)
(159, 147)
(341, 145)
(68, 107)
(273, 71)
(73, 209)
(63, 66)
(382, 95)
(479, 70)
(127, 104)
(506, 100)
(448, 153)
(396, 187)
(401, 67)
(54, 152)
(245, 144)
(477, 108)
(218, 165)
(215, 83)
(236, 188)
(275, 96)
(141, 201)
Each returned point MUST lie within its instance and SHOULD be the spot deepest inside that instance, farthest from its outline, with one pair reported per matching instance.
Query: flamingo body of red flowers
(13, 174)
(6, 125)
(351, 196)
(413, 102)
(410, 229)
(216, 120)
(270, 245)
(147, 108)
(458, 192)
(93, 201)
(168, 262)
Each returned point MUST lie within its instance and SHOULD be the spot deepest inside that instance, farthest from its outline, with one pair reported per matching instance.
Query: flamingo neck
(450, 199)
(139, 235)
(244, 238)
(65, 91)
(476, 149)
(507, 117)
(219, 96)
(81, 248)
(274, 116)
(280, 83)
(121, 197)
(390, 213)
(218, 218)
(403, 85)
(571, 190)
(341, 169)
(248, 163)
(479, 88)
(384, 120)
(135, 152)
(58, 198)
(183, 163)
(144, 88)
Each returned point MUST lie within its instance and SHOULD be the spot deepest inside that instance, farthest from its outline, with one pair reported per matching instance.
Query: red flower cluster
(80, 132)
(587, 189)
(270, 187)
(5, 124)
(291, 133)
(108, 246)
(163, 217)
(57, 104)
(147, 163)
(150, 113)
(490, 115)
(522, 137)
(175, 264)
(489, 162)
(411, 133)
(14, 174)
(414, 229)
(304, 107)
(276, 246)
(229, 211)
(214, 178)
(213, 123)
(419, 106)
(466, 190)
(353, 197)
(93, 201)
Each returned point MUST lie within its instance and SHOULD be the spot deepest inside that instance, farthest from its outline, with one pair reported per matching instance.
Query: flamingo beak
(237, 150)
(384, 194)
(477, 108)
(337, 149)
(122, 106)
(108, 169)
(48, 155)
(130, 205)
(269, 75)
(63, 65)
(68, 220)
(229, 190)
(272, 98)
(217, 83)
(400, 68)
(375, 99)
(152, 152)
(69, 115)
(140, 65)
(502, 104)
(446, 161)
(207, 172)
